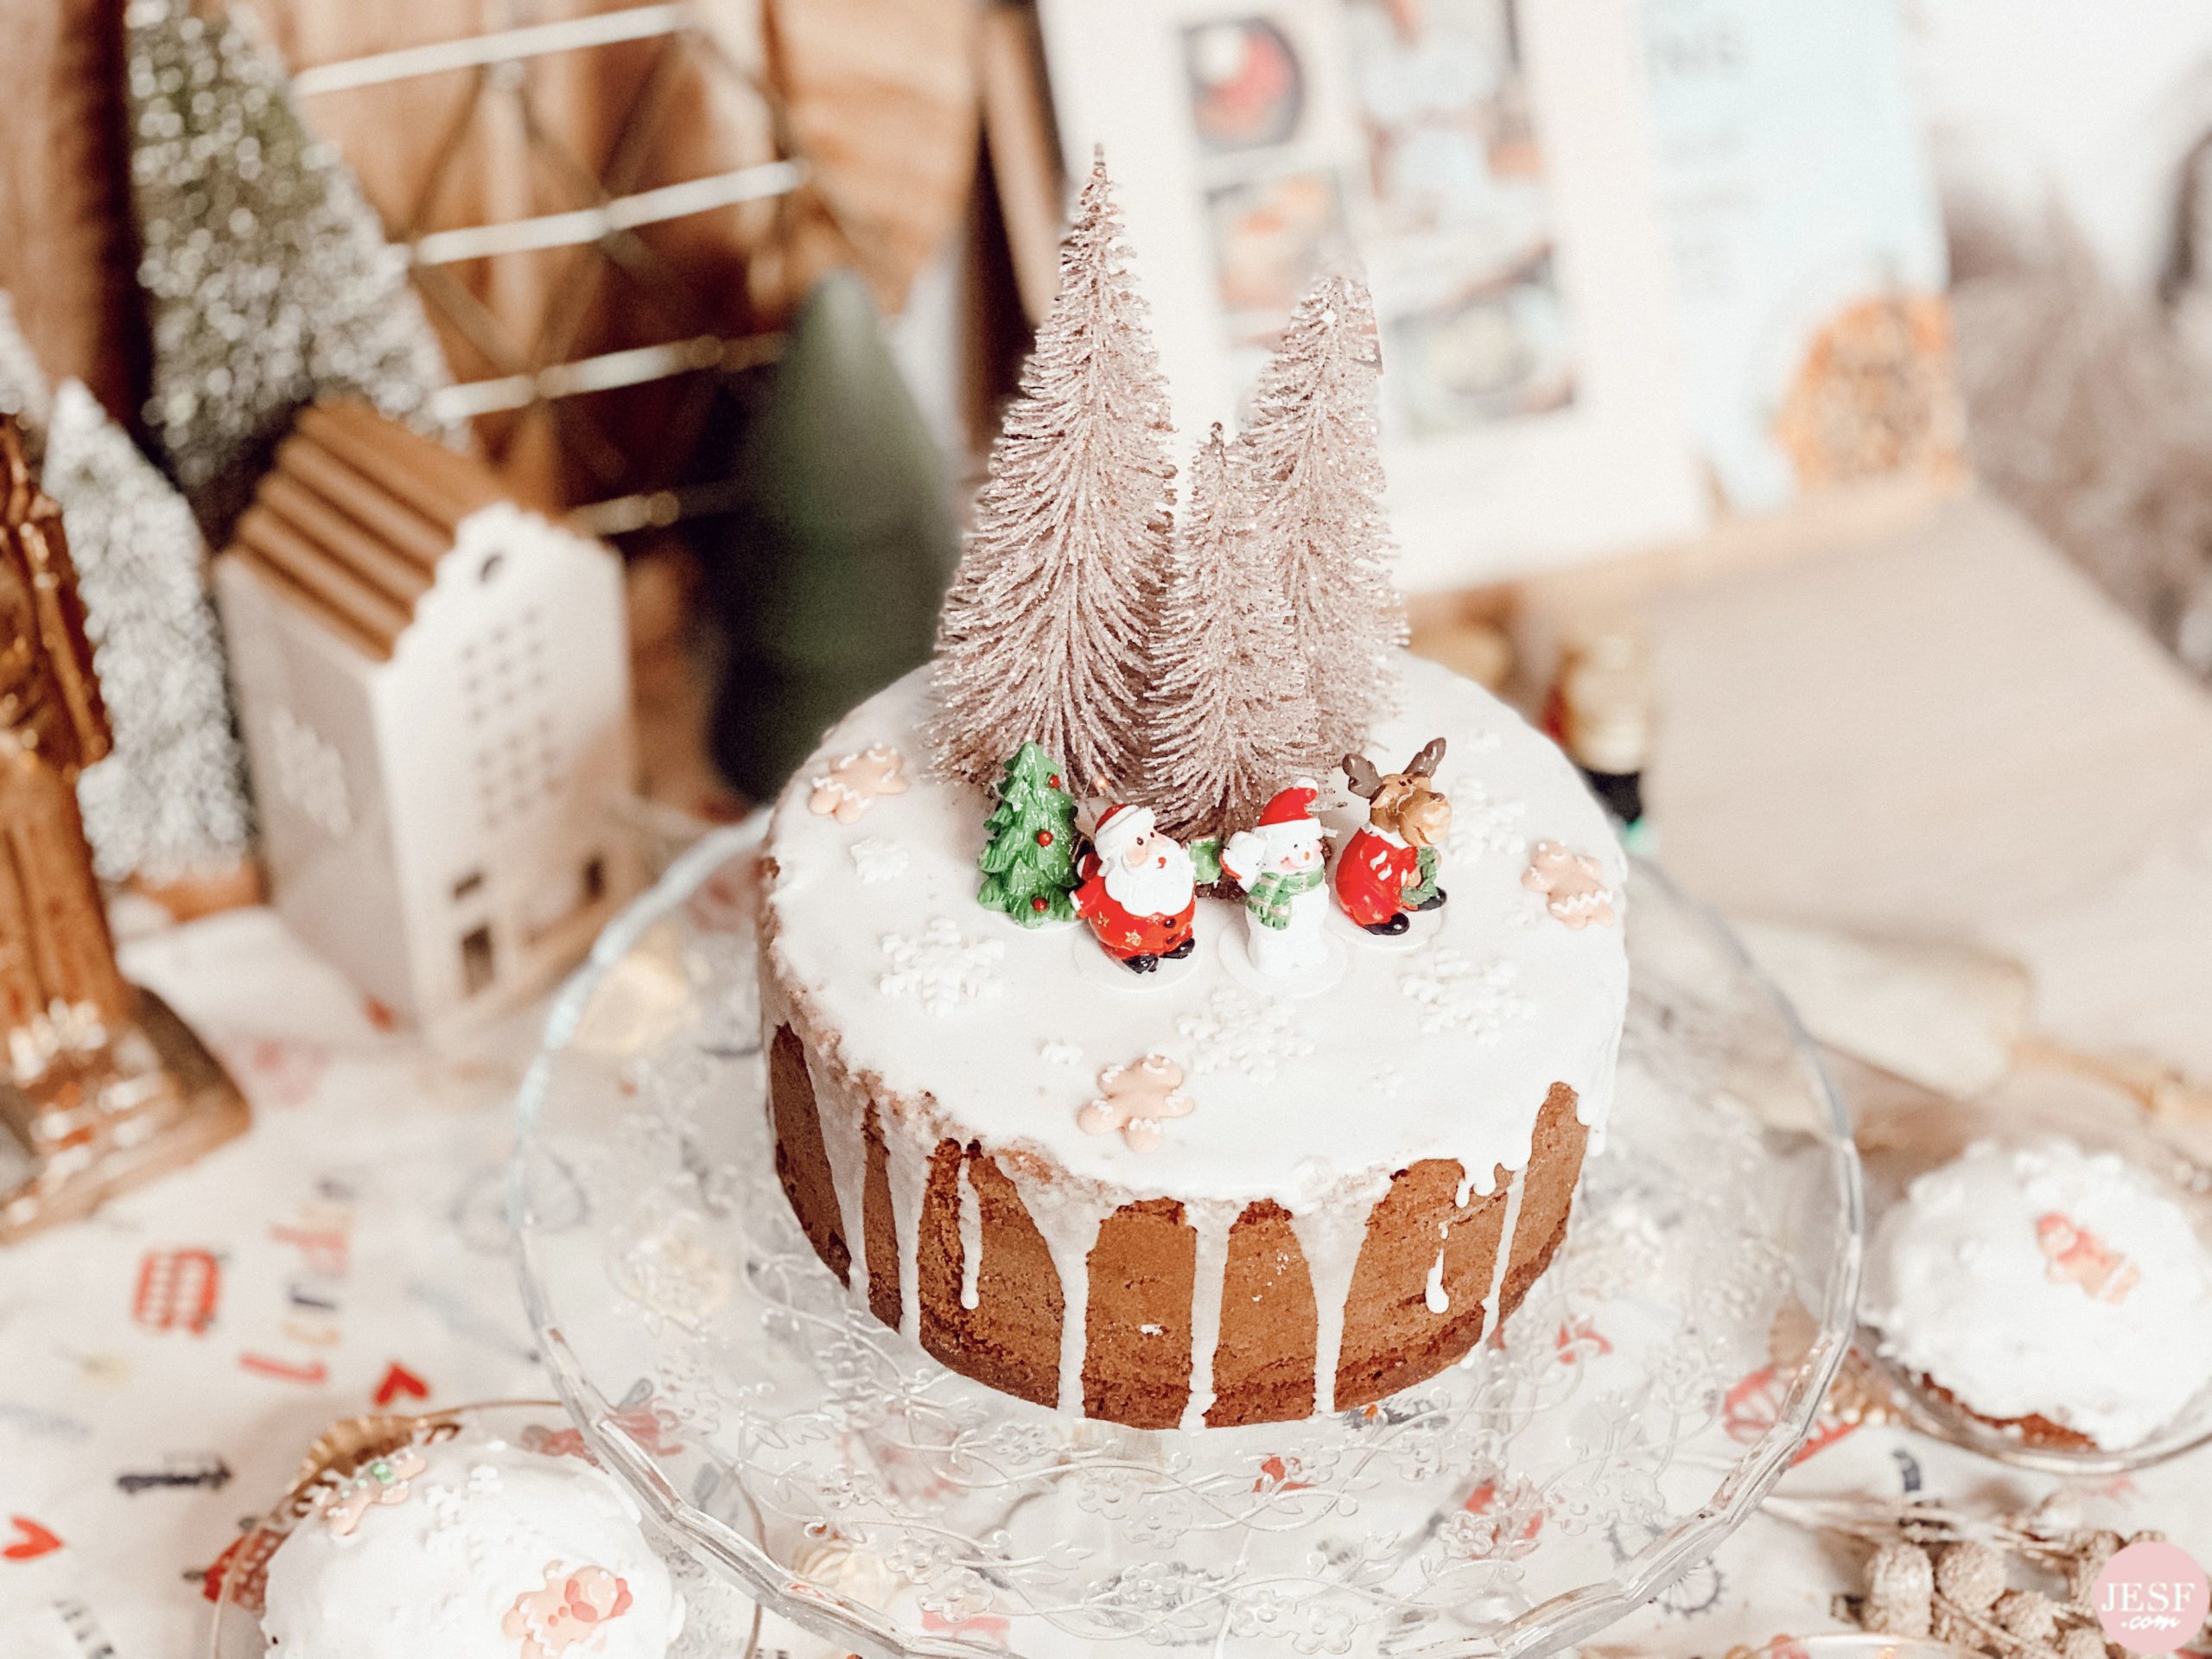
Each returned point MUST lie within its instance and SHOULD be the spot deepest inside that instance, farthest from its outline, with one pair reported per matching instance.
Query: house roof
(354, 516)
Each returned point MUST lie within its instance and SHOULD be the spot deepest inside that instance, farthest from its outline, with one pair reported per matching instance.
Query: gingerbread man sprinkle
(570, 1610)
(1134, 1099)
(850, 786)
(1573, 885)
(2075, 1255)
(380, 1480)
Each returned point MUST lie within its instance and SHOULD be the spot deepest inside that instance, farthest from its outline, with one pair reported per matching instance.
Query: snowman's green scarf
(1270, 896)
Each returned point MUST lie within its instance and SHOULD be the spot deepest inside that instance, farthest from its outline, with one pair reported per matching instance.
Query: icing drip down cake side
(1199, 1195)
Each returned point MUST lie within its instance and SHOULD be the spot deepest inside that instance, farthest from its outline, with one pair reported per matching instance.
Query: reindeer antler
(1425, 764)
(1364, 779)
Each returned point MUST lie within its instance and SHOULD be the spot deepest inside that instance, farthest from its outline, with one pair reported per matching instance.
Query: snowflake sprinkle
(879, 858)
(1480, 825)
(1241, 1033)
(942, 967)
(1456, 994)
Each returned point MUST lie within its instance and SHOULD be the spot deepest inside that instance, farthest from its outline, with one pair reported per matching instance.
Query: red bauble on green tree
(1028, 864)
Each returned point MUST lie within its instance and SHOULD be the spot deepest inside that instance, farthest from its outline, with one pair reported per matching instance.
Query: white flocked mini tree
(169, 803)
(1045, 632)
(1311, 450)
(267, 277)
(1230, 721)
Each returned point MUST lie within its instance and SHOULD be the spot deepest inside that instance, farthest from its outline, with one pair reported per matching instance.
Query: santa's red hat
(1291, 808)
(1118, 826)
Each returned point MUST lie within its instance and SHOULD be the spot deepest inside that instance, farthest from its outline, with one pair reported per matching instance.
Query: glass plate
(1909, 1139)
(719, 1623)
(1638, 1406)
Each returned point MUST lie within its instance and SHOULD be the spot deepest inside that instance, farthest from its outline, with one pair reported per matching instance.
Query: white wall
(2090, 103)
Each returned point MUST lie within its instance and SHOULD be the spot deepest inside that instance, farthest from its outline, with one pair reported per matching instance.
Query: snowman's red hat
(1120, 826)
(1291, 807)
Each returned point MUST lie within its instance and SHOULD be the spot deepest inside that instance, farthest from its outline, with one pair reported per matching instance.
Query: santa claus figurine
(1282, 862)
(1138, 890)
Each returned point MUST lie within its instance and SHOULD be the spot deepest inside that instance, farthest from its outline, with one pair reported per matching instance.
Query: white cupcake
(472, 1548)
(2057, 1293)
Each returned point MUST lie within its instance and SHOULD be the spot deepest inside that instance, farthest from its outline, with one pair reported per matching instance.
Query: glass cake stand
(1639, 1405)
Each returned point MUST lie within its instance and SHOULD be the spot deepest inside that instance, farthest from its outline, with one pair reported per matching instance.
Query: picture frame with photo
(1487, 163)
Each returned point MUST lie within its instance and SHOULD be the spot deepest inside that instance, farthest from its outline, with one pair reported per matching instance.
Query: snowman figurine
(1282, 862)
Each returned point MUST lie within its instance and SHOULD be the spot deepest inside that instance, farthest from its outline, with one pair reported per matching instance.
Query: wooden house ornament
(434, 683)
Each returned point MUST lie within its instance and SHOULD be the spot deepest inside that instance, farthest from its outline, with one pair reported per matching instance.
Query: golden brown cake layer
(1403, 1318)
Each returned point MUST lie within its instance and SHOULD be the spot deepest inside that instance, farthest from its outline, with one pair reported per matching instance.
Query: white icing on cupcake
(471, 1549)
(2041, 1280)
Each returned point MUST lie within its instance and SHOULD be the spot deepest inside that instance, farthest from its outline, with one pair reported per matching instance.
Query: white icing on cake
(1514, 1188)
(490, 1546)
(971, 1238)
(1212, 1265)
(944, 999)
(2041, 1280)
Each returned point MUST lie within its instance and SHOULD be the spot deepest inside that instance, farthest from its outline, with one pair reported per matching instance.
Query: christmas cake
(470, 1548)
(1309, 1200)
(1183, 1008)
(2060, 1294)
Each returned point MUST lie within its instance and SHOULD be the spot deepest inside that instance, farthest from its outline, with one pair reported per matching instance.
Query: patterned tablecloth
(163, 1366)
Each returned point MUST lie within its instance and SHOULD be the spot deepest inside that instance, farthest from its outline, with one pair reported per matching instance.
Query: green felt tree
(826, 576)
(1028, 864)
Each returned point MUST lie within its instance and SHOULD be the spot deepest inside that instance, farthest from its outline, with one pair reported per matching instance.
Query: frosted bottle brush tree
(1045, 632)
(1312, 449)
(267, 277)
(169, 803)
(1230, 719)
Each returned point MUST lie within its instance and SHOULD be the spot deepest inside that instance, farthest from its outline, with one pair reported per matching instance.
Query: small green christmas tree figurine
(1028, 864)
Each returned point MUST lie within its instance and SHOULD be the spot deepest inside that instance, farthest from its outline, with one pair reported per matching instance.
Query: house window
(595, 879)
(476, 961)
(468, 886)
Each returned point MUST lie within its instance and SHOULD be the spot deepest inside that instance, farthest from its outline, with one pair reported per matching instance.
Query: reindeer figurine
(1389, 869)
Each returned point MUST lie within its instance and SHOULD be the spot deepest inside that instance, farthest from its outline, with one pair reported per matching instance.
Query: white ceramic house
(434, 687)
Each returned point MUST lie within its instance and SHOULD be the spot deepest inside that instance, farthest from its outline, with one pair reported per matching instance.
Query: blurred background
(1715, 336)
(1651, 275)
(497, 437)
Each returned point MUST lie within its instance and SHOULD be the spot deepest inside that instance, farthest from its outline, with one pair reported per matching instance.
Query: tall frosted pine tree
(267, 277)
(1313, 454)
(1045, 636)
(1230, 720)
